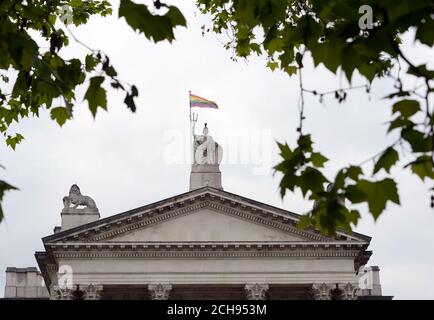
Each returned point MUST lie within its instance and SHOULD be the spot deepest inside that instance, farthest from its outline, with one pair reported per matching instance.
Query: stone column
(321, 291)
(159, 291)
(61, 293)
(256, 291)
(91, 292)
(348, 291)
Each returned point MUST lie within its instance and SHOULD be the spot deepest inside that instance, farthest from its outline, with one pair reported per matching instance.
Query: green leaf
(305, 142)
(272, 65)
(407, 108)
(425, 32)
(354, 172)
(355, 194)
(318, 159)
(289, 181)
(60, 115)
(290, 70)
(91, 62)
(274, 45)
(4, 186)
(21, 84)
(387, 160)
(311, 180)
(129, 99)
(176, 17)
(423, 167)
(299, 59)
(399, 122)
(154, 27)
(353, 216)
(96, 95)
(328, 54)
(285, 151)
(417, 140)
(304, 222)
(12, 141)
(376, 194)
(422, 69)
(111, 72)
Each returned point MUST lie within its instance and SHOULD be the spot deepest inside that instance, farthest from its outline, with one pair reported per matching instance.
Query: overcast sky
(126, 160)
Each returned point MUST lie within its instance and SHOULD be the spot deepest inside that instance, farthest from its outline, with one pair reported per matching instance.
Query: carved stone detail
(256, 291)
(349, 291)
(321, 291)
(192, 251)
(159, 291)
(91, 292)
(75, 199)
(339, 291)
(148, 216)
(205, 149)
(61, 293)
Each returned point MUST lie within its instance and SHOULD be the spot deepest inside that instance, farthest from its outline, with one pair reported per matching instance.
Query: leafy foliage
(154, 27)
(284, 31)
(4, 186)
(60, 115)
(44, 78)
(386, 160)
(96, 95)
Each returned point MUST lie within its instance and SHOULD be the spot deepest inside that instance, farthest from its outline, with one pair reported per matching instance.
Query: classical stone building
(206, 243)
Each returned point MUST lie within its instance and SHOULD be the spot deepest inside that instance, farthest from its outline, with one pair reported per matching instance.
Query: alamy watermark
(246, 147)
(66, 14)
(366, 21)
(65, 277)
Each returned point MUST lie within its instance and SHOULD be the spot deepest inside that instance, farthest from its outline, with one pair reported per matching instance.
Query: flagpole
(191, 129)
(189, 102)
(193, 120)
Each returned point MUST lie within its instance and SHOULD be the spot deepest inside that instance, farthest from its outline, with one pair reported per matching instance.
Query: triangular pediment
(201, 215)
(207, 225)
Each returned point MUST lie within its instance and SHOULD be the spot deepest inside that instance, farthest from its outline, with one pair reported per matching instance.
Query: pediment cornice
(217, 200)
(204, 249)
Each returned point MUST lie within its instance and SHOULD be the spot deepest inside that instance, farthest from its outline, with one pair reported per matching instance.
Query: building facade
(206, 243)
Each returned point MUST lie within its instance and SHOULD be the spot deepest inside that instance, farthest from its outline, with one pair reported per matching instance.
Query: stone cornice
(137, 250)
(150, 217)
(202, 254)
(46, 263)
(207, 244)
(216, 200)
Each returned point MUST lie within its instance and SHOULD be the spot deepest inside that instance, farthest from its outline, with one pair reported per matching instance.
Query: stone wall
(24, 283)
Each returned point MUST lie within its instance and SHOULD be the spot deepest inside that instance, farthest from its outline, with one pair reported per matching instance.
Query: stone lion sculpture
(76, 199)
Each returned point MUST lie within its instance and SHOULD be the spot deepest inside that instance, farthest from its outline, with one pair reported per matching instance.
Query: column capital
(159, 291)
(256, 291)
(61, 293)
(348, 291)
(91, 291)
(321, 291)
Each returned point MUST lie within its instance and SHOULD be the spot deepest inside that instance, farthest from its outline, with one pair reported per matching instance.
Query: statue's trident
(193, 119)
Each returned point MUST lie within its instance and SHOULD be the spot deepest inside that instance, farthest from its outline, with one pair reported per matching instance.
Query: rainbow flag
(196, 101)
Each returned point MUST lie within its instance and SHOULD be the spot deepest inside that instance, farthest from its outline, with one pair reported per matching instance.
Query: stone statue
(205, 149)
(76, 199)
